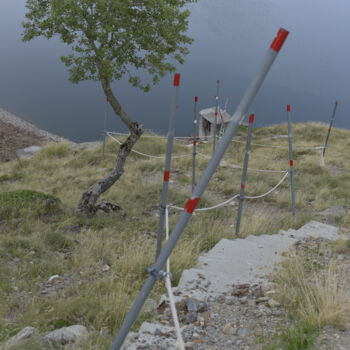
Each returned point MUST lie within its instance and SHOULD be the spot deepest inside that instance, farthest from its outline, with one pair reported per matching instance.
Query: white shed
(207, 121)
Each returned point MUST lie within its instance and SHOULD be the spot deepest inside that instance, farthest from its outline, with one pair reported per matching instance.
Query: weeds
(41, 236)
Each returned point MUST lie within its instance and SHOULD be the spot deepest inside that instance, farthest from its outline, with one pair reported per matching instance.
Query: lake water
(231, 39)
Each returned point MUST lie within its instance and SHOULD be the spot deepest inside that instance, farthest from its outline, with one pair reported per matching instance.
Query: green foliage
(58, 241)
(13, 177)
(26, 202)
(299, 337)
(111, 37)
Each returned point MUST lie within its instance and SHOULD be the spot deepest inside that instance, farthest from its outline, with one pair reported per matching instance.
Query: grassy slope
(35, 245)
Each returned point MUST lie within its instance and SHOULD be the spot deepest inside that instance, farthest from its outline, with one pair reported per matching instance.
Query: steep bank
(16, 133)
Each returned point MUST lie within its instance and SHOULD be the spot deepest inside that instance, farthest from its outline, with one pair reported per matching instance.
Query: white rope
(270, 191)
(169, 290)
(153, 136)
(235, 196)
(144, 154)
(235, 166)
(281, 147)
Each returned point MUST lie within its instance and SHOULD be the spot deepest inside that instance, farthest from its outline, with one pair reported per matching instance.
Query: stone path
(226, 302)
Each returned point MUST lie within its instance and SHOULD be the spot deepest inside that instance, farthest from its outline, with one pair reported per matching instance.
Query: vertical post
(330, 127)
(155, 272)
(244, 174)
(166, 173)
(104, 133)
(195, 136)
(291, 160)
(103, 144)
(216, 114)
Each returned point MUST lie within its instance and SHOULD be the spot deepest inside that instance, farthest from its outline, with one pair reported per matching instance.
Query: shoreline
(28, 128)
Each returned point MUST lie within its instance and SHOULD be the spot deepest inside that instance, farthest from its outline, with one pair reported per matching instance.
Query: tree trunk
(88, 202)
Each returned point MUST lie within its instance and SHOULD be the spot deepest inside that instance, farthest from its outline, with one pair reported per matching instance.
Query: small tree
(110, 39)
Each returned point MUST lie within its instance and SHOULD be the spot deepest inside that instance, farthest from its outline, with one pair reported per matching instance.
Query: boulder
(27, 152)
(27, 336)
(73, 334)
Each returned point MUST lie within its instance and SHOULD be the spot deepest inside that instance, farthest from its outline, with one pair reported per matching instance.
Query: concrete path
(237, 261)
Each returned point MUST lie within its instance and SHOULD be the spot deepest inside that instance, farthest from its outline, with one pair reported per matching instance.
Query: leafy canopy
(113, 38)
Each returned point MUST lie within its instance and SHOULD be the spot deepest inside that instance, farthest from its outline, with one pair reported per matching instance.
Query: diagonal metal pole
(330, 127)
(166, 173)
(216, 114)
(195, 137)
(244, 174)
(291, 160)
(155, 272)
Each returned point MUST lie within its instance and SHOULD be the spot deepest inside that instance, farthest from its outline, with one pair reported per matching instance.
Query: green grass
(301, 336)
(40, 234)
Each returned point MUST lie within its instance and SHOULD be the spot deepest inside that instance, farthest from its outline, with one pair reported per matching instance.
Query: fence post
(195, 136)
(244, 174)
(330, 127)
(155, 272)
(291, 160)
(216, 114)
(104, 133)
(166, 173)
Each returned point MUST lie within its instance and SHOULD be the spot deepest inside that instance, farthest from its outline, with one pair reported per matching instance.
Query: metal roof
(209, 115)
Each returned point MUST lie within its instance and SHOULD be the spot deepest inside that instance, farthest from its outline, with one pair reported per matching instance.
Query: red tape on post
(191, 204)
(166, 176)
(194, 143)
(288, 108)
(177, 79)
(279, 40)
(242, 186)
(291, 162)
(196, 99)
(251, 118)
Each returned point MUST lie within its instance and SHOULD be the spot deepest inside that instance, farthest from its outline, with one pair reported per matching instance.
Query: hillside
(101, 261)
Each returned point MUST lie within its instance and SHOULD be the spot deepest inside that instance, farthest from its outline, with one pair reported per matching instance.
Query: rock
(27, 152)
(28, 335)
(192, 305)
(242, 332)
(335, 210)
(261, 300)
(109, 208)
(105, 268)
(73, 334)
(273, 303)
(240, 290)
(228, 329)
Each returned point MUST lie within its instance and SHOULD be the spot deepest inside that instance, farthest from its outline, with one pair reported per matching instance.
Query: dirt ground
(13, 138)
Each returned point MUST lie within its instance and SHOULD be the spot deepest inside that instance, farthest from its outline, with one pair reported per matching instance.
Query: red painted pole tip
(288, 108)
(177, 79)
(251, 118)
(279, 40)
(196, 99)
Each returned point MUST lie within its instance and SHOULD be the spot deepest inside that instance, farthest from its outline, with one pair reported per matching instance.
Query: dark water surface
(231, 38)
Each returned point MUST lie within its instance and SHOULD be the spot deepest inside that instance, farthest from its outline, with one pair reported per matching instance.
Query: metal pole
(291, 160)
(166, 173)
(330, 127)
(195, 136)
(244, 173)
(216, 113)
(155, 272)
(104, 133)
